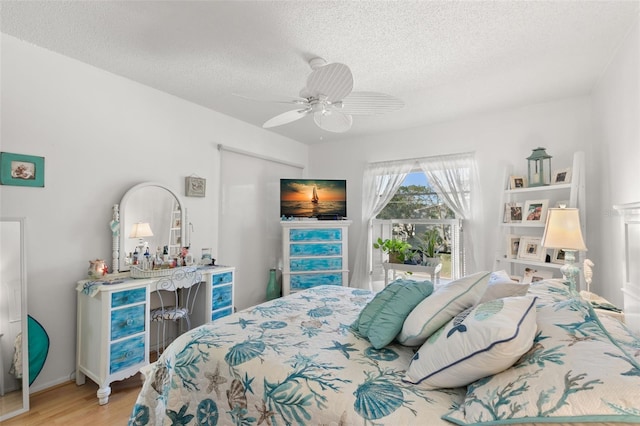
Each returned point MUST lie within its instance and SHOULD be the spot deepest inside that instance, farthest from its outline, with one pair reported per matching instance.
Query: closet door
(14, 359)
(250, 233)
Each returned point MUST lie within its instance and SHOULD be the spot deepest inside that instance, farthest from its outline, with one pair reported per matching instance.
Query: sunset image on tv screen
(313, 198)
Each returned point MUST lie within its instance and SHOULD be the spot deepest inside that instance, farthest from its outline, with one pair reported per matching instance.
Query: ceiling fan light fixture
(328, 95)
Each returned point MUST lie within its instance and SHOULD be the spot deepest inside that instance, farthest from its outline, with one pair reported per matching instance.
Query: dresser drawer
(126, 353)
(221, 313)
(316, 264)
(304, 281)
(127, 321)
(221, 296)
(223, 278)
(328, 234)
(128, 297)
(315, 249)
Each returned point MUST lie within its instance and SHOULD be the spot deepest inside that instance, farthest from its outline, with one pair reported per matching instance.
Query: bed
(331, 356)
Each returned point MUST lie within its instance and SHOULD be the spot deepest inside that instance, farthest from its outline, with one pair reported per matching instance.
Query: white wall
(100, 134)
(497, 138)
(616, 104)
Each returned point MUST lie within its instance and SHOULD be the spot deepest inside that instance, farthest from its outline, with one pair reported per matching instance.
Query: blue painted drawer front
(304, 281)
(221, 313)
(127, 321)
(128, 297)
(315, 234)
(321, 249)
(223, 278)
(221, 296)
(126, 353)
(316, 264)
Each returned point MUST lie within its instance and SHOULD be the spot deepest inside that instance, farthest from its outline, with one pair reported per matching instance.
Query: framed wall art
(195, 186)
(535, 211)
(561, 176)
(21, 170)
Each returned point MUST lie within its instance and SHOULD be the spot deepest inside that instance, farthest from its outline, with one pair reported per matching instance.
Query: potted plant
(396, 249)
(429, 246)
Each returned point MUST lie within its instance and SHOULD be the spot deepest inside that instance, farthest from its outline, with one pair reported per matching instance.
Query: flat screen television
(315, 198)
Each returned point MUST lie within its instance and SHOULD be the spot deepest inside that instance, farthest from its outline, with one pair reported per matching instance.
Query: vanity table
(113, 322)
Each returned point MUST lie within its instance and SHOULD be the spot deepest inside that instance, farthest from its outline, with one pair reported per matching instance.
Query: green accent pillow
(381, 320)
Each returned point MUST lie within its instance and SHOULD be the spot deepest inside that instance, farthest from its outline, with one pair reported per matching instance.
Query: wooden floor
(70, 405)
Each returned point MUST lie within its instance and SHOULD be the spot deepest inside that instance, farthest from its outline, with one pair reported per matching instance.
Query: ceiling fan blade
(334, 81)
(333, 121)
(370, 103)
(286, 117)
(272, 98)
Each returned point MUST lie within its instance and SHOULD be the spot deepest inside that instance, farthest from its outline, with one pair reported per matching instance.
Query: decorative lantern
(539, 168)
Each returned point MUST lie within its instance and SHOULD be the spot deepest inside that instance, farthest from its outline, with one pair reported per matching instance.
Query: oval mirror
(158, 206)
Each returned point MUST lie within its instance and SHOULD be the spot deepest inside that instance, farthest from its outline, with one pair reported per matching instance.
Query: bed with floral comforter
(298, 360)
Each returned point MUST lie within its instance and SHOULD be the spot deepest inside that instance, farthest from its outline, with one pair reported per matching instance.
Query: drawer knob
(129, 321)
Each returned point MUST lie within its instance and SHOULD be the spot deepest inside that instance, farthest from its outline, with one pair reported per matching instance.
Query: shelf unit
(175, 231)
(572, 193)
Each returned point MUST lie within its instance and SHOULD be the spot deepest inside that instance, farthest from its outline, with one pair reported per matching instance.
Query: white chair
(177, 295)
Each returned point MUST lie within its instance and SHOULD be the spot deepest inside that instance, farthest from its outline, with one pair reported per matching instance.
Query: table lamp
(141, 230)
(562, 231)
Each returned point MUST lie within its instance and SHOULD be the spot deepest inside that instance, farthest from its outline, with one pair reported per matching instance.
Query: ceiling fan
(328, 97)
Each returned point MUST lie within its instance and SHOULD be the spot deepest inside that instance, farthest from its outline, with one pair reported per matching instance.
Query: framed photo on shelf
(513, 244)
(530, 248)
(558, 256)
(517, 182)
(535, 211)
(512, 212)
(532, 275)
(561, 176)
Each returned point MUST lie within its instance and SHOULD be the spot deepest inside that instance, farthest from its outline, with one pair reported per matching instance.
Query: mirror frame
(119, 215)
(24, 326)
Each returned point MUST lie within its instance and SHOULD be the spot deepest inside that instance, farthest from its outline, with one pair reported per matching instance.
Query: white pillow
(499, 276)
(500, 289)
(443, 304)
(479, 342)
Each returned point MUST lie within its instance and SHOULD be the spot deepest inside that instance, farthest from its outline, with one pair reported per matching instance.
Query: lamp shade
(141, 230)
(562, 230)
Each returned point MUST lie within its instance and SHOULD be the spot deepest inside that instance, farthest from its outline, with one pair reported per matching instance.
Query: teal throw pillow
(381, 320)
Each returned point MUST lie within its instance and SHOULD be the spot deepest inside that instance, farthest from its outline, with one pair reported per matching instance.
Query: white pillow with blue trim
(478, 342)
(445, 303)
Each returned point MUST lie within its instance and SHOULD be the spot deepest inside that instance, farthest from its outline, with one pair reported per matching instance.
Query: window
(413, 212)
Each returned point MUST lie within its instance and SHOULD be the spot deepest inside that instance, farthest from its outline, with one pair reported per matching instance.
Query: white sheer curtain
(454, 178)
(380, 183)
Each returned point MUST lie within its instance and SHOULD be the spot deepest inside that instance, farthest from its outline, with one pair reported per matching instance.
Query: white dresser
(314, 253)
(113, 323)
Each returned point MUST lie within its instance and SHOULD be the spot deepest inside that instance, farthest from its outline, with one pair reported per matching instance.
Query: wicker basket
(137, 272)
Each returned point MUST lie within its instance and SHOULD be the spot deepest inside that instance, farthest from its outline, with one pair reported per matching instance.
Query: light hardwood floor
(71, 405)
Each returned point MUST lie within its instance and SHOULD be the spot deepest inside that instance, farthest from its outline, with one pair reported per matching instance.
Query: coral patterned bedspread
(293, 360)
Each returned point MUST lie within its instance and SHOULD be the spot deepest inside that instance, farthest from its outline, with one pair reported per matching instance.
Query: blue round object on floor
(38, 348)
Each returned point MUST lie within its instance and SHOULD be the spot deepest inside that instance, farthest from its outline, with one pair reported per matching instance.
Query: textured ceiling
(442, 58)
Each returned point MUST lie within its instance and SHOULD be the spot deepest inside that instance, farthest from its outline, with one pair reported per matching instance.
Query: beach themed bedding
(293, 360)
(302, 360)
